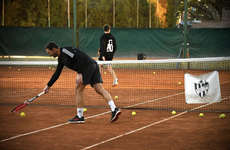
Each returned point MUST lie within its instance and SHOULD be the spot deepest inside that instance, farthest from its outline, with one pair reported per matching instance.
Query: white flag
(202, 88)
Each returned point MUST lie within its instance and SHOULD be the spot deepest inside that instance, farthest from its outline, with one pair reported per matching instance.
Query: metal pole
(68, 14)
(157, 13)
(185, 28)
(2, 12)
(86, 18)
(149, 13)
(137, 13)
(74, 23)
(114, 13)
(48, 13)
(175, 12)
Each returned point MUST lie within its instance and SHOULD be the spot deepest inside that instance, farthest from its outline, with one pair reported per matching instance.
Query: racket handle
(41, 93)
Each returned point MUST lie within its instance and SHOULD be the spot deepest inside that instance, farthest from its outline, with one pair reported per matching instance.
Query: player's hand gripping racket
(26, 103)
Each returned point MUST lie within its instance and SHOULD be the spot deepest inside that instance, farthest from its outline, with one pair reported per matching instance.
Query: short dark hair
(51, 45)
(106, 27)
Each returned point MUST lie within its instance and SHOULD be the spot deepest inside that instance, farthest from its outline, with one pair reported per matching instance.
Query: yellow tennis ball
(84, 110)
(49, 67)
(9, 67)
(154, 72)
(134, 113)
(173, 112)
(18, 69)
(201, 115)
(104, 72)
(223, 115)
(179, 82)
(22, 114)
(116, 97)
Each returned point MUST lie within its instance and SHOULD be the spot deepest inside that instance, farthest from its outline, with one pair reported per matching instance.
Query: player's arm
(98, 52)
(103, 48)
(114, 45)
(54, 77)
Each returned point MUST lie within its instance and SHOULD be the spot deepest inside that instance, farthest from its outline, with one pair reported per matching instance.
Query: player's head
(106, 28)
(52, 49)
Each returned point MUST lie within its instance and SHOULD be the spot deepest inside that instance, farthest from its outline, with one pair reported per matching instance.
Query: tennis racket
(26, 103)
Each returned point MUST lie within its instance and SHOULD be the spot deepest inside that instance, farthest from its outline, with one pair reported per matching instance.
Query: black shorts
(107, 59)
(91, 75)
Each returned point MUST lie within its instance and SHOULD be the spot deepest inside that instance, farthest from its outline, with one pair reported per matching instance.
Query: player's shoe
(76, 119)
(115, 82)
(115, 115)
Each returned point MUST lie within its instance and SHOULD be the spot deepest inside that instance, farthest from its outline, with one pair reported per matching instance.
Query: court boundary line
(33, 132)
(152, 124)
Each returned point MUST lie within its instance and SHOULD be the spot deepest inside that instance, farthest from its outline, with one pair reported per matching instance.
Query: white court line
(127, 133)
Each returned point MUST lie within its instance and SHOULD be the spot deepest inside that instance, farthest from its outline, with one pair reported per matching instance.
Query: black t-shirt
(74, 59)
(108, 46)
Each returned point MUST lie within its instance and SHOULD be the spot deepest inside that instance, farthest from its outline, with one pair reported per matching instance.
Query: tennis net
(144, 84)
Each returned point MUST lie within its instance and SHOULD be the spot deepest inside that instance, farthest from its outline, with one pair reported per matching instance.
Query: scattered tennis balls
(18, 69)
(104, 72)
(134, 113)
(22, 114)
(179, 82)
(201, 115)
(84, 110)
(173, 112)
(116, 97)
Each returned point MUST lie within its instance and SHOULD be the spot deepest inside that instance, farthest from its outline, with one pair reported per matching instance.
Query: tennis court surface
(151, 88)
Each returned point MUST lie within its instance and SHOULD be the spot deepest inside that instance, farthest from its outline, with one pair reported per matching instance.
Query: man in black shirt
(87, 73)
(106, 51)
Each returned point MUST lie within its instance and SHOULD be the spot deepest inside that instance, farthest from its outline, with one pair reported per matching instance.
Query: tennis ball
(9, 67)
(201, 115)
(18, 69)
(153, 72)
(134, 113)
(116, 97)
(49, 67)
(179, 82)
(52, 68)
(104, 72)
(84, 110)
(22, 114)
(173, 112)
(223, 115)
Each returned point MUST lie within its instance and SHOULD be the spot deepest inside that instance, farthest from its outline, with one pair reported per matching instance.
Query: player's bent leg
(100, 90)
(115, 79)
(115, 111)
(79, 103)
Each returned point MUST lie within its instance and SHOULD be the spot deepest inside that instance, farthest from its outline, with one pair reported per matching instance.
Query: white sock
(112, 105)
(79, 112)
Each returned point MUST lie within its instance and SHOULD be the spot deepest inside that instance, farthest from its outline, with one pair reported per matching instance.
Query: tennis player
(87, 73)
(106, 51)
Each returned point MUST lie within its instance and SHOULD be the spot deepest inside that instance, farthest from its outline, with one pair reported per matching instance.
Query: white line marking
(148, 126)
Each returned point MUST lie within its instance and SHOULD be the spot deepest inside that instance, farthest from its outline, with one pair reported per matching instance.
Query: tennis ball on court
(173, 112)
(104, 72)
(9, 67)
(222, 116)
(84, 110)
(116, 97)
(18, 69)
(22, 114)
(154, 72)
(134, 113)
(201, 115)
(49, 67)
(52, 68)
(179, 82)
